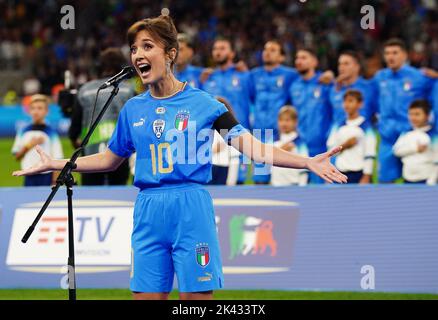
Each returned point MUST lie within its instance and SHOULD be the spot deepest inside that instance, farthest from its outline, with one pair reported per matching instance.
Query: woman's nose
(137, 55)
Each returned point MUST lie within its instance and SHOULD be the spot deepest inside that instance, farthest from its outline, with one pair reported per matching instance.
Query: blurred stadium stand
(33, 45)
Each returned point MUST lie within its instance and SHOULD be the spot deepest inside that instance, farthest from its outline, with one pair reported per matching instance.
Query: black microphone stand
(65, 177)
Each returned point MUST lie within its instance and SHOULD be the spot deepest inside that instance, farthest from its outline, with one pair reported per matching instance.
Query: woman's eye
(133, 49)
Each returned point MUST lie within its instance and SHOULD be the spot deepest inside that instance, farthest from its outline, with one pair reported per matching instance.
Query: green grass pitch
(123, 294)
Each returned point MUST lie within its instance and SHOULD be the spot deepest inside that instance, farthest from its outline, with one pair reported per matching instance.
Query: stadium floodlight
(66, 178)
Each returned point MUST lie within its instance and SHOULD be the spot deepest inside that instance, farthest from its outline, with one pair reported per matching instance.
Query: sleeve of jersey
(370, 150)
(403, 147)
(226, 124)
(121, 143)
(18, 143)
(234, 132)
(428, 84)
(56, 147)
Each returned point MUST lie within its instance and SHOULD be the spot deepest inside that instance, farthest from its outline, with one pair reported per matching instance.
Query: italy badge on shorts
(182, 120)
(202, 254)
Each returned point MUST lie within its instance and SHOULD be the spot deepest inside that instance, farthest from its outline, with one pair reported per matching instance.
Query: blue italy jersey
(396, 91)
(337, 100)
(270, 91)
(311, 99)
(191, 74)
(171, 136)
(234, 86)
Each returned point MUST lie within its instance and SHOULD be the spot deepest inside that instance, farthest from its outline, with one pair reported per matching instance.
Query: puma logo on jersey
(139, 123)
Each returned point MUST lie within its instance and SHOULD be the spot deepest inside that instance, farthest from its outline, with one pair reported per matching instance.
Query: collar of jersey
(172, 95)
(401, 70)
(355, 122)
(277, 68)
(291, 136)
(425, 128)
(313, 79)
(358, 81)
(230, 68)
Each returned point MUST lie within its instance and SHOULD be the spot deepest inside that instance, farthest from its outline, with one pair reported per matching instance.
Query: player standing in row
(349, 78)
(270, 85)
(174, 223)
(396, 86)
(358, 140)
(269, 92)
(418, 147)
(311, 99)
(227, 80)
(185, 71)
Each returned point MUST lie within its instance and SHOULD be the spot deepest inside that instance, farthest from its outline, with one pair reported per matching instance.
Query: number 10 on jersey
(157, 158)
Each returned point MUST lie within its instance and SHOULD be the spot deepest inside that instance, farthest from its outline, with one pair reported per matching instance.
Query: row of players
(318, 99)
(417, 148)
(257, 95)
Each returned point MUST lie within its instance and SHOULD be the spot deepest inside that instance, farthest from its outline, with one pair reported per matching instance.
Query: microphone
(126, 73)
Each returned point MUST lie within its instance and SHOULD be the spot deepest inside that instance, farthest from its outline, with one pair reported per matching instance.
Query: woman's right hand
(45, 164)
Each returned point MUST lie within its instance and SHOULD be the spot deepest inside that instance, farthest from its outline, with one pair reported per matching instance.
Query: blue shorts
(175, 232)
(389, 166)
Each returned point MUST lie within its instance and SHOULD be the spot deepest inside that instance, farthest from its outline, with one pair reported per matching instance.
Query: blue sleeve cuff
(235, 131)
(118, 152)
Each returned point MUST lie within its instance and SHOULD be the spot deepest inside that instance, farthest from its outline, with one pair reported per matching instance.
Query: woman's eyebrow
(146, 39)
(143, 40)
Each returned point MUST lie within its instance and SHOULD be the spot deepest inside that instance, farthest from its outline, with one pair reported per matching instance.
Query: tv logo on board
(102, 235)
(54, 229)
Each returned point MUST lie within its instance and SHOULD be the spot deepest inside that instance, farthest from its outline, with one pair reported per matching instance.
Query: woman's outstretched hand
(320, 165)
(45, 164)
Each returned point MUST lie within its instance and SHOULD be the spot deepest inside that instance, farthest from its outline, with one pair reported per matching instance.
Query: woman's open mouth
(144, 69)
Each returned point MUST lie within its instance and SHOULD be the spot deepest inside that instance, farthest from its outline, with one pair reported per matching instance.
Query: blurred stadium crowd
(32, 40)
(33, 43)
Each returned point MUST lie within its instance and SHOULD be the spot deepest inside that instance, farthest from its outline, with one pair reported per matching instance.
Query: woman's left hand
(320, 165)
